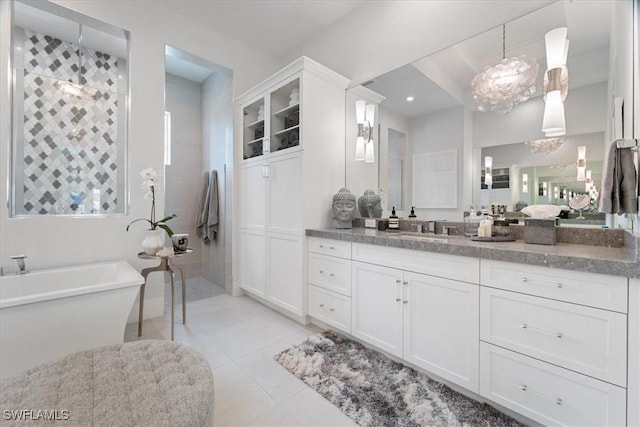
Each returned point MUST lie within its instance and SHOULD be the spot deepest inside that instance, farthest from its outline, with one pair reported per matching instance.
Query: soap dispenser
(393, 219)
(413, 212)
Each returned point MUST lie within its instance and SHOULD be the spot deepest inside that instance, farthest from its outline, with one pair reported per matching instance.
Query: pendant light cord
(504, 43)
(79, 54)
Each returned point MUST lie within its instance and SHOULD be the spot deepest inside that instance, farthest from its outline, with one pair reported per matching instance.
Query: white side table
(164, 265)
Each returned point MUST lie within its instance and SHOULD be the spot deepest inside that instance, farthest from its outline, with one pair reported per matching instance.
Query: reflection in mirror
(430, 103)
(70, 91)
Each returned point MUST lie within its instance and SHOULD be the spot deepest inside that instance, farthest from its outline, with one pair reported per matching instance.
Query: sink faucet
(22, 267)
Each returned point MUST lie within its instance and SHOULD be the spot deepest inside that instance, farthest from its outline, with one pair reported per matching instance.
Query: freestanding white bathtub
(47, 314)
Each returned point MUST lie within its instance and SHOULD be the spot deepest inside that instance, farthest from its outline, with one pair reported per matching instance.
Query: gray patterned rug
(376, 391)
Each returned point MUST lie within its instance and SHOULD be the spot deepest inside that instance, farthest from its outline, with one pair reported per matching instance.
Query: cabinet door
(285, 272)
(376, 303)
(441, 327)
(285, 194)
(253, 262)
(253, 195)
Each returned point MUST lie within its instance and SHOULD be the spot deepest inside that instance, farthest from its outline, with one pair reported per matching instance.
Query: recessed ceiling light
(409, 98)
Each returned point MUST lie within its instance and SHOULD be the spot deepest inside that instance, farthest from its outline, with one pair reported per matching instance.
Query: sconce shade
(553, 123)
(582, 163)
(360, 107)
(360, 148)
(369, 156)
(370, 114)
(488, 171)
(545, 188)
(557, 47)
(525, 183)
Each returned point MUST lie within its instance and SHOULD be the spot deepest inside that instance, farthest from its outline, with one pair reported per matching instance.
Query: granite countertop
(616, 261)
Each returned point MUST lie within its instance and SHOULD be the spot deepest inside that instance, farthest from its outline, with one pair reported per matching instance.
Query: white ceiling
(442, 80)
(273, 26)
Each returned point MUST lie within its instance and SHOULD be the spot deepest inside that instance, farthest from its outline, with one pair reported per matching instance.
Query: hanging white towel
(202, 210)
(608, 179)
(212, 217)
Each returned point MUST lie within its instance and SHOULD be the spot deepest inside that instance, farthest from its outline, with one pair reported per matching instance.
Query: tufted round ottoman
(142, 383)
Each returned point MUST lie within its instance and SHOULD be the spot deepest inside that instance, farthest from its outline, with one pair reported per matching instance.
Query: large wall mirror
(70, 101)
(426, 109)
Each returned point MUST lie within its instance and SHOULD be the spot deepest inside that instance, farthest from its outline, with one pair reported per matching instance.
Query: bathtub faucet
(22, 267)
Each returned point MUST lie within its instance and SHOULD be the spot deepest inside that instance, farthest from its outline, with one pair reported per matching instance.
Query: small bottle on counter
(393, 219)
(413, 212)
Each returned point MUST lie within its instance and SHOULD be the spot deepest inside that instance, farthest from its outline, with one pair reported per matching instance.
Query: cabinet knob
(405, 302)
(321, 271)
(331, 309)
(560, 285)
(405, 283)
(398, 299)
(523, 387)
(331, 274)
(398, 280)
(525, 280)
(331, 247)
(322, 246)
(321, 305)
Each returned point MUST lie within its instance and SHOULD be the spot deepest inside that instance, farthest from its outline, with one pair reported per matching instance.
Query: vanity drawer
(584, 339)
(596, 290)
(465, 269)
(331, 247)
(546, 393)
(330, 308)
(330, 273)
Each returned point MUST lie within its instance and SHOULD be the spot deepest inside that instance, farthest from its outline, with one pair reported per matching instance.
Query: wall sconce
(365, 115)
(525, 183)
(556, 192)
(488, 171)
(556, 82)
(588, 182)
(582, 163)
(545, 188)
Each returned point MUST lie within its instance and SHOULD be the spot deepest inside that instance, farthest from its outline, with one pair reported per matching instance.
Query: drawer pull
(557, 400)
(321, 271)
(560, 285)
(321, 305)
(331, 274)
(331, 309)
(331, 247)
(525, 280)
(398, 281)
(405, 302)
(558, 335)
(398, 299)
(405, 283)
(322, 246)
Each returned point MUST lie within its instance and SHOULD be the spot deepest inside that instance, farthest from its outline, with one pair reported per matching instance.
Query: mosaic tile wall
(69, 147)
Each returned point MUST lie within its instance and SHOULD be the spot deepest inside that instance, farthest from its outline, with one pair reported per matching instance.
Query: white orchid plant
(149, 177)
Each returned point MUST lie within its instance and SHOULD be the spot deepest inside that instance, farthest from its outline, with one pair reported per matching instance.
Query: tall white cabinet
(290, 134)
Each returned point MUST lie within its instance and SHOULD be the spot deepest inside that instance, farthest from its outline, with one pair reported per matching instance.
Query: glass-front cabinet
(271, 122)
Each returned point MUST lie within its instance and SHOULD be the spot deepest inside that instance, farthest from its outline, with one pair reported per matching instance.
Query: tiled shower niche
(69, 147)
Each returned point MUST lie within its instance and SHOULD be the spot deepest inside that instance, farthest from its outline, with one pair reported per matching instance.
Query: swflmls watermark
(36, 414)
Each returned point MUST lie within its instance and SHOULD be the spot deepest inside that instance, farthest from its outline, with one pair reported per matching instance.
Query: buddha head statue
(370, 205)
(343, 208)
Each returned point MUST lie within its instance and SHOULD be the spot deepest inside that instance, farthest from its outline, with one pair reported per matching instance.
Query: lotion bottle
(393, 219)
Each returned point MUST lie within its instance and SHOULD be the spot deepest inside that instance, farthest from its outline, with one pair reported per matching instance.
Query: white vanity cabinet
(329, 276)
(554, 343)
(289, 138)
(428, 320)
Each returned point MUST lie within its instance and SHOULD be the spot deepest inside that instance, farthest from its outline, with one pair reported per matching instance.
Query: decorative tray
(493, 239)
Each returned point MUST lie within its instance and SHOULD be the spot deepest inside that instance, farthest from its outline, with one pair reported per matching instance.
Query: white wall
(56, 241)
(382, 35)
(182, 180)
(585, 112)
(440, 131)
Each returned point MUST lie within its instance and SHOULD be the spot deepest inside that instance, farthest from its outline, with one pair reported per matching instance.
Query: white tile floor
(239, 337)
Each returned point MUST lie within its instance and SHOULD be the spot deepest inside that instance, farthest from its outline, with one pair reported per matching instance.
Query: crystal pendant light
(500, 87)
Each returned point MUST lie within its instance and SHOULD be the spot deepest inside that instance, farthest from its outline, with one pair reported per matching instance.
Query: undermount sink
(419, 237)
